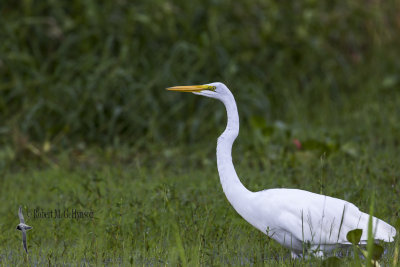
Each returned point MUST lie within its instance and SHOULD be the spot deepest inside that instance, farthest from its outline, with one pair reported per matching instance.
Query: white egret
(297, 219)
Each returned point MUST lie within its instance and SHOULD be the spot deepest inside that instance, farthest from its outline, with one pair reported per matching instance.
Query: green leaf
(331, 262)
(377, 251)
(354, 236)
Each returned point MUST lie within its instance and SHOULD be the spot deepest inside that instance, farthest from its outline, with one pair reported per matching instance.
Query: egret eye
(213, 88)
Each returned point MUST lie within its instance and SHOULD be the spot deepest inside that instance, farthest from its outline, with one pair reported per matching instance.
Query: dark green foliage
(90, 72)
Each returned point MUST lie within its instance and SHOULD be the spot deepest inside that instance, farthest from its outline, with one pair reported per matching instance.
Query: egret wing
(320, 219)
(316, 219)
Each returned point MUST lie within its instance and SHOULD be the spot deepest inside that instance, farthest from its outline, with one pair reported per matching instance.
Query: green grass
(170, 208)
(85, 123)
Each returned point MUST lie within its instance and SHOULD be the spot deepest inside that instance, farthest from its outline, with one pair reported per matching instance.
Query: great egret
(297, 219)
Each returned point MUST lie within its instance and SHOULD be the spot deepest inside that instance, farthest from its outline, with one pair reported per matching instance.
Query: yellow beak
(189, 88)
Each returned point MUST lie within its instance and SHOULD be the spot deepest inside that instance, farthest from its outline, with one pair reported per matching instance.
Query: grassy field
(86, 124)
(170, 208)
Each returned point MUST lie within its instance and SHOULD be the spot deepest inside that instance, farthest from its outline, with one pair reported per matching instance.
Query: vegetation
(85, 123)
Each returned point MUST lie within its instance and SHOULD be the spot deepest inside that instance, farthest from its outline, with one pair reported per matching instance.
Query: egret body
(297, 219)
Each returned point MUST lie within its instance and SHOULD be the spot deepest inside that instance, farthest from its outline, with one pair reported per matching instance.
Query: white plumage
(297, 219)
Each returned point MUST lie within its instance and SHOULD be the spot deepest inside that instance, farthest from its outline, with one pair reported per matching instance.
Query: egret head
(214, 90)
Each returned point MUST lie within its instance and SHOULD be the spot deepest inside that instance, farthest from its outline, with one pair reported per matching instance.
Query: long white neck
(234, 190)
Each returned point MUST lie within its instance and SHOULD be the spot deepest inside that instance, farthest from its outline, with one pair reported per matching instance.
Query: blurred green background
(93, 73)
(86, 122)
